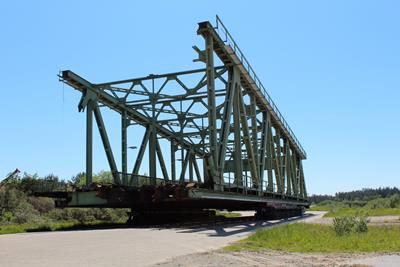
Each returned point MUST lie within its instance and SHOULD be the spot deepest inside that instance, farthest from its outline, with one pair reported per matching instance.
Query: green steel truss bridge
(229, 146)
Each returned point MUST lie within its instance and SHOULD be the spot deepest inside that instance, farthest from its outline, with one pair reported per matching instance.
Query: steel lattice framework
(225, 128)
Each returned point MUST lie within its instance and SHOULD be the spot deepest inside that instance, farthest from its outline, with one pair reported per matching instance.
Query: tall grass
(301, 237)
(362, 212)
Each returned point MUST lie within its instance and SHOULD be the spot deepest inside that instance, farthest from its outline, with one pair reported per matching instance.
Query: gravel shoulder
(278, 258)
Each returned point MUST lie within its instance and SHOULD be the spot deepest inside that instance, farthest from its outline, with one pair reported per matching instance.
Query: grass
(319, 208)
(227, 214)
(59, 226)
(301, 237)
(344, 211)
(362, 212)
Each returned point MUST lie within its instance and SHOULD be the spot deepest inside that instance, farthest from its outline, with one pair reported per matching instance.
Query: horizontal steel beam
(155, 76)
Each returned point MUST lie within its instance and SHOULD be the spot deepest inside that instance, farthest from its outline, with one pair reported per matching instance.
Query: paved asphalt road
(117, 247)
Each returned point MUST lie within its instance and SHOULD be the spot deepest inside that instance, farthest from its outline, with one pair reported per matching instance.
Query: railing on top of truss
(231, 42)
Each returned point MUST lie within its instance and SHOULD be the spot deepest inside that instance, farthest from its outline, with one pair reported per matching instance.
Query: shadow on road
(210, 229)
(241, 227)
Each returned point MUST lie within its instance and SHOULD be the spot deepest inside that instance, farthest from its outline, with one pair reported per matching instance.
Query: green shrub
(360, 224)
(19, 207)
(41, 204)
(343, 225)
(7, 217)
(25, 213)
(10, 198)
(395, 201)
(347, 224)
(82, 215)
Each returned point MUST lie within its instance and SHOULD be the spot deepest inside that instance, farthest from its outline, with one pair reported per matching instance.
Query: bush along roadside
(22, 212)
(348, 224)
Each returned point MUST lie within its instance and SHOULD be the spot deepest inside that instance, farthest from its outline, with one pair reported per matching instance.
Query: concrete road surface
(378, 261)
(117, 247)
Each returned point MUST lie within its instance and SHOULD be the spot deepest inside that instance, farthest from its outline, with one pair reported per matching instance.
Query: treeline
(367, 194)
(362, 195)
(19, 206)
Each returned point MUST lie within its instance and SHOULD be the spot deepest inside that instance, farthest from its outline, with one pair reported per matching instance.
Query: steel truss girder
(232, 125)
(270, 148)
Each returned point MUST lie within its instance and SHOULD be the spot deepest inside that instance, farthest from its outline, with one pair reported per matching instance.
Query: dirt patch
(270, 258)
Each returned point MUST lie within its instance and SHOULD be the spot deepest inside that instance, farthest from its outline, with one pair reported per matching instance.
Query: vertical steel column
(295, 171)
(275, 160)
(190, 169)
(246, 140)
(182, 161)
(298, 176)
(153, 140)
(237, 156)
(288, 169)
(269, 157)
(303, 191)
(284, 166)
(264, 146)
(268, 151)
(152, 155)
(253, 114)
(233, 85)
(281, 185)
(173, 160)
(212, 113)
(184, 165)
(124, 148)
(89, 142)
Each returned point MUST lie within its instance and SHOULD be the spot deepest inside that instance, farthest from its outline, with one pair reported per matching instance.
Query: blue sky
(332, 67)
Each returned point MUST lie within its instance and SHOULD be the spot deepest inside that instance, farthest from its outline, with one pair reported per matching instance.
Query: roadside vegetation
(366, 202)
(349, 224)
(20, 211)
(302, 237)
(349, 231)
